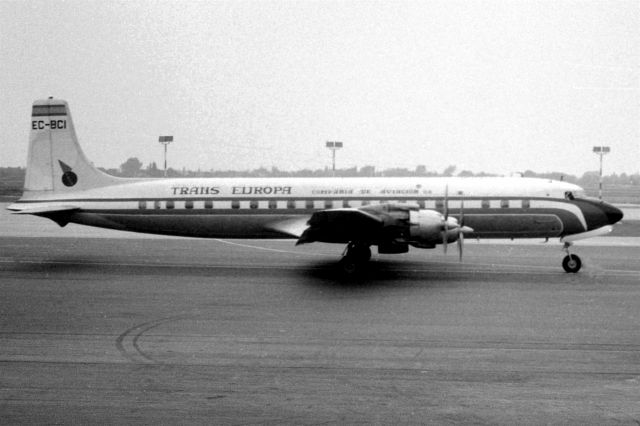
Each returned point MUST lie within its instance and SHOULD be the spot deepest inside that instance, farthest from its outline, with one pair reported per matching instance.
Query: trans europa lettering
(261, 190)
(195, 190)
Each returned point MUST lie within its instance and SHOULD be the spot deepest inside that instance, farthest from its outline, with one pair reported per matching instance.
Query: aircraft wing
(342, 225)
(293, 227)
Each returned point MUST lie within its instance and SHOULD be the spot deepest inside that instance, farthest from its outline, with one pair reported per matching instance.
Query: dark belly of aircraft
(532, 224)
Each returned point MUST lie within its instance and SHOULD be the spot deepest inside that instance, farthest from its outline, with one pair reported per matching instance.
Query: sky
(493, 86)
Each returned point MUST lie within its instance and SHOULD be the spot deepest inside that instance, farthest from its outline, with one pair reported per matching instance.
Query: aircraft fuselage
(245, 208)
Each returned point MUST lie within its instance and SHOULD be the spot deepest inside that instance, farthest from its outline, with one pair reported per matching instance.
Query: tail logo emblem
(69, 178)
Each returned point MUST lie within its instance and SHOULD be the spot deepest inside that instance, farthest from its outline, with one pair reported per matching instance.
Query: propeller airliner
(391, 214)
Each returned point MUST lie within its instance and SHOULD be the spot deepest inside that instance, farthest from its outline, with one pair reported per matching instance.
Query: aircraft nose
(614, 214)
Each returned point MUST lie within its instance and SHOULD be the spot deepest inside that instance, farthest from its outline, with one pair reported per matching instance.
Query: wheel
(349, 265)
(571, 263)
(355, 258)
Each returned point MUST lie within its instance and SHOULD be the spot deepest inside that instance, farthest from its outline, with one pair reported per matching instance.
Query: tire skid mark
(128, 343)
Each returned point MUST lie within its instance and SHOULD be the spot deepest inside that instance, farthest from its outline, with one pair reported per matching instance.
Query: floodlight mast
(334, 146)
(165, 140)
(601, 151)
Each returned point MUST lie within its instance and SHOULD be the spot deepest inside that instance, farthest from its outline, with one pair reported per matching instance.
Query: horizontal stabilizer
(60, 214)
(41, 210)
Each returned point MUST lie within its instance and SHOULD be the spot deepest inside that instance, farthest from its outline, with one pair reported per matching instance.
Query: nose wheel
(571, 262)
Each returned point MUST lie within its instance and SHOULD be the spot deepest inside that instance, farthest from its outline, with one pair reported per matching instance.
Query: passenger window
(308, 204)
(273, 204)
(486, 204)
(235, 204)
(142, 205)
(439, 205)
(156, 205)
(328, 204)
(188, 204)
(170, 205)
(365, 202)
(208, 204)
(291, 204)
(253, 204)
(526, 204)
(504, 204)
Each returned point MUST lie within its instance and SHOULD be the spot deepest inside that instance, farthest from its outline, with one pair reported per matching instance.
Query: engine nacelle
(426, 228)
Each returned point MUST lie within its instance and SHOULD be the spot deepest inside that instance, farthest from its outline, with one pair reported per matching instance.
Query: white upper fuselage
(379, 188)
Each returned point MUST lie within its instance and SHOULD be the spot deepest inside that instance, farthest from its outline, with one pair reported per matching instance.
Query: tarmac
(106, 327)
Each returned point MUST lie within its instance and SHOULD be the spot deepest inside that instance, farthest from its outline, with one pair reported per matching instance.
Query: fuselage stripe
(371, 199)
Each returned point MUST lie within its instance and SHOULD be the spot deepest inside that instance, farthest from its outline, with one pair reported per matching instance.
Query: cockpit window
(575, 194)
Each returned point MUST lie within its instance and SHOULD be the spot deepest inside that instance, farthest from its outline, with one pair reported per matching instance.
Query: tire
(350, 266)
(571, 263)
(355, 259)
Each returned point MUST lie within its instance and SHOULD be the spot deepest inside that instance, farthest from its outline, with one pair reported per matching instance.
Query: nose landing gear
(571, 263)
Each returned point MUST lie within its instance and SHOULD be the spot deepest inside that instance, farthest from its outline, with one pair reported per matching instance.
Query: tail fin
(56, 162)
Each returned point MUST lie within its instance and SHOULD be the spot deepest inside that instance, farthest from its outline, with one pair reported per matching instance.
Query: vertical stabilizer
(56, 162)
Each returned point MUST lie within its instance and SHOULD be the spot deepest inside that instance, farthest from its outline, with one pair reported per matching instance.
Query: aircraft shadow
(329, 273)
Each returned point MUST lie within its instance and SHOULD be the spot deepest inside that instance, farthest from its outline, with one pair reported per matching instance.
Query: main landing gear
(355, 257)
(571, 263)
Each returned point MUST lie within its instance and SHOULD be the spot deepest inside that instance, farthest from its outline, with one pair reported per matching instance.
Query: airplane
(393, 214)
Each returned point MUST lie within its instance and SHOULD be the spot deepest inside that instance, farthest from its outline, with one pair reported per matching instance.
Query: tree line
(133, 167)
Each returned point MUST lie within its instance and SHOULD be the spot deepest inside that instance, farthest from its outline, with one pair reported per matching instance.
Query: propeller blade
(445, 239)
(446, 203)
(460, 229)
(461, 208)
(445, 232)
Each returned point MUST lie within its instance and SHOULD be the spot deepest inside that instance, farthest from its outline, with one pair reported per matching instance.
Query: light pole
(601, 151)
(165, 140)
(334, 146)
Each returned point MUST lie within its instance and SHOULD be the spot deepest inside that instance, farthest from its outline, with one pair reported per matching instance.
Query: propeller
(461, 230)
(453, 223)
(445, 228)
